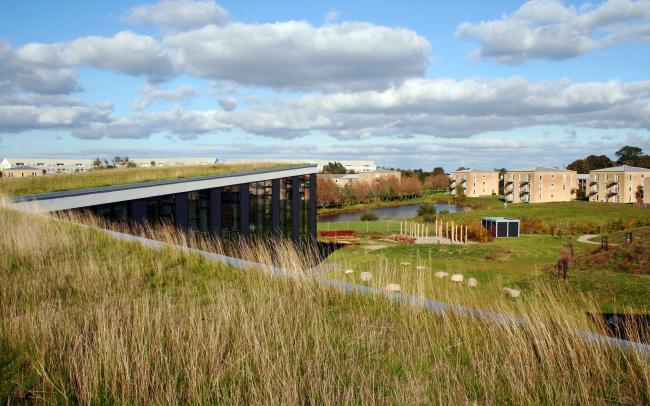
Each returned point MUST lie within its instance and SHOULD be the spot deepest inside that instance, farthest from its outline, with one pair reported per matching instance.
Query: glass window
(230, 211)
(261, 194)
(161, 209)
(198, 211)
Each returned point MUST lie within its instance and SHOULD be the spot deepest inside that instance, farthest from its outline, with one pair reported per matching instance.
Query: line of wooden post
(456, 233)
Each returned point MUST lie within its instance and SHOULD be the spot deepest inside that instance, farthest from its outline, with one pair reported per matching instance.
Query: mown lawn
(524, 263)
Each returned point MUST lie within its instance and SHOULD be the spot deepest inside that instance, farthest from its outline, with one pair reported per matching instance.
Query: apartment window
(630, 176)
(540, 178)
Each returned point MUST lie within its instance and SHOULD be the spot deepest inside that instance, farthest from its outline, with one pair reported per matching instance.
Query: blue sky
(410, 85)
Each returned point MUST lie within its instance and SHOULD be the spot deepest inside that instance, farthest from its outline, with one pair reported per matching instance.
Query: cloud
(125, 52)
(152, 93)
(547, 29)
(332, 16)
(178, 14)
(228, 103)
(18, 73)
(294, 55)
(443, 108)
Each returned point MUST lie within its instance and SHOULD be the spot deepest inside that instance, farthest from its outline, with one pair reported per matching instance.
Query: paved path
(587, 237)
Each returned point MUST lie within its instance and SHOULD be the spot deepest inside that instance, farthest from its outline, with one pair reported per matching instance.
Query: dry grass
(109, 177)
(85, 318)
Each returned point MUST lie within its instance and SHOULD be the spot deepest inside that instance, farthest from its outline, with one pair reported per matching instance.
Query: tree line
(627, 155)
(390, 188)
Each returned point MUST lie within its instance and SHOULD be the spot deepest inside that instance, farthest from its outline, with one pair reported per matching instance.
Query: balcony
(524, 181)
(510, 198)
(612, 183)
(508, 181)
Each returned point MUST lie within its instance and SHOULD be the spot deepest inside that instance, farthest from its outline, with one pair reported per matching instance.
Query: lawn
(110, 177)
(88, 319)
(525, 263)
(576, 217)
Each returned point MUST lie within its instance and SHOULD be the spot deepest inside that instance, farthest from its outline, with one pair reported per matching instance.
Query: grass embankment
(88, 319)
(110, 177)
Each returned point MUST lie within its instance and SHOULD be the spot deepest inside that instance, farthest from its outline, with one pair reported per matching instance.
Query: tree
(579, 165)
(98, 163)
(438, 170)
(590, 163)
(644, 161)
(461, 168)
(629, 155)
(639, 195)
(348, 195)
(427, 211)
(334, 168)
(328, 193)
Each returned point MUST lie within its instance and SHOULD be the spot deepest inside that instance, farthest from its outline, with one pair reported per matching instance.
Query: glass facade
(282, 207)
(161, 209)
(230, 212)
(198, 211)
(260, 195)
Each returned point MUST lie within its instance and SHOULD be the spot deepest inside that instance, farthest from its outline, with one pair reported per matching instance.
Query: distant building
(540, 185)
(59, 165)
(355, 166)
(21, 172)
(475, 182)
(51, 165)
(147, 162)
(616, 185)
(374, 177)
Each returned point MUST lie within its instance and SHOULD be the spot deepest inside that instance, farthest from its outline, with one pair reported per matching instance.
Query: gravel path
(587, 237)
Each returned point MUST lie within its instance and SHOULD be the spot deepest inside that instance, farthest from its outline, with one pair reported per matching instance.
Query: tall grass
(109, 177)
(85, 318)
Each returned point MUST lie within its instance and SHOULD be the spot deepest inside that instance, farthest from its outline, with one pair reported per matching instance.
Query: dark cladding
(283, 207)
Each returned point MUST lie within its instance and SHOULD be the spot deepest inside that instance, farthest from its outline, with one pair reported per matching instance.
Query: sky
(412, 84)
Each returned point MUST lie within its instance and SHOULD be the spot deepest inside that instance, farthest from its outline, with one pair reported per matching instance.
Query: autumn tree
(329, 193)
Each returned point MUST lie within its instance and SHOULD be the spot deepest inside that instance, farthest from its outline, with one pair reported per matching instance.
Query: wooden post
(401, 225)
(436, 232)
(447, 229)
(466, 239)
(452, 232)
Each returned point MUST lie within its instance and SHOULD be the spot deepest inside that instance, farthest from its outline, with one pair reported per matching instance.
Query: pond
(387, 213)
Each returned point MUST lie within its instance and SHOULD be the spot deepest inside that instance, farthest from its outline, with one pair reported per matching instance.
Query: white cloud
(178, 14)
(444, 108)
(295, 55)
(18, 73)
(548, 29)
(332, 16)
(153, 93)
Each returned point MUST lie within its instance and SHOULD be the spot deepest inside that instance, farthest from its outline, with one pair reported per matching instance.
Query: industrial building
(261, 203)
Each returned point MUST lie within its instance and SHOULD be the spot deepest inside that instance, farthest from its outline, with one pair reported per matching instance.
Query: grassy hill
(85, 318)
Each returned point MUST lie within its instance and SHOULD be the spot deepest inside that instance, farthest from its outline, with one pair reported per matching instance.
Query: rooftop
(540, 169)
(500, 219)
(623, 168)
(474, 170)
(97, 180)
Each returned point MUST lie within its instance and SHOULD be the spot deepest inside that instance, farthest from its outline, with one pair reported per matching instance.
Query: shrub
(476, 232)
(428, 212)
(369, 215)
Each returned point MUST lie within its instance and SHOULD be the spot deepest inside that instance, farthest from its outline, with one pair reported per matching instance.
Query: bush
(476, 232)
(369, 215)
(426, 208)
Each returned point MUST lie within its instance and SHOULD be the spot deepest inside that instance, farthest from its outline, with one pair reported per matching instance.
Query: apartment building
(475, 182)
(21, 172)
(540, 185)
(618, 184)
(375, 177)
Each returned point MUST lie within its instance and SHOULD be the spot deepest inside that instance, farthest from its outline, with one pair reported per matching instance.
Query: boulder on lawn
(472, 282)
(393, 287)
(512, 292)
(441, 274)
(366, 276)
(348, 271)
(457, 277)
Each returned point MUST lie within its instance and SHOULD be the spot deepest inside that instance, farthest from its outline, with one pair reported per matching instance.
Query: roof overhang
(79, 198)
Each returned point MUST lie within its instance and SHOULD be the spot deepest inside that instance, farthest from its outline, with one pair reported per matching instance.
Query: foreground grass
(109, 177)
(88, 319)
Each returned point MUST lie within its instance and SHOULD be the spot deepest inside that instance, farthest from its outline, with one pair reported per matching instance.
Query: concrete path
(587, 237)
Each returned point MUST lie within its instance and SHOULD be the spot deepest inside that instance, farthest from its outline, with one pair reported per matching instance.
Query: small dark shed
(501, 226)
